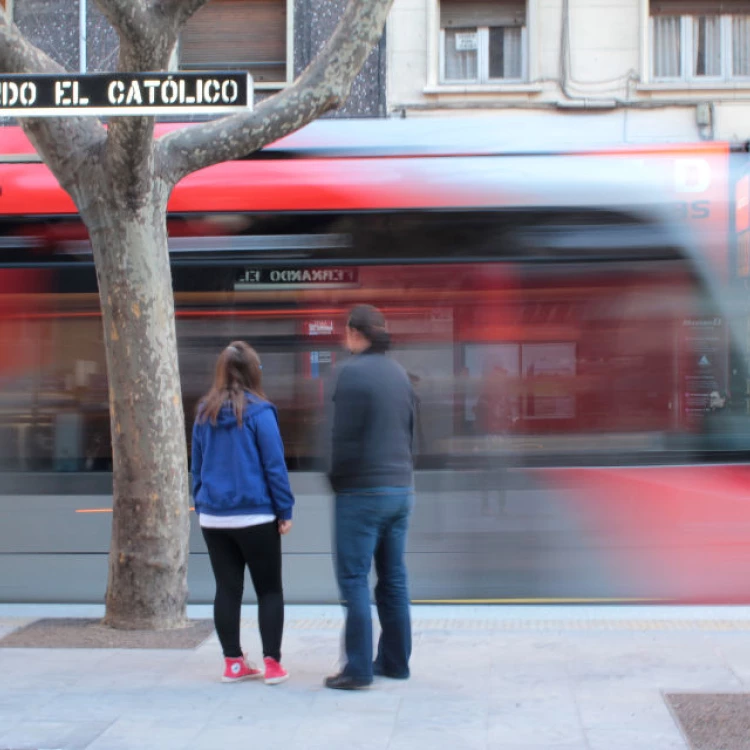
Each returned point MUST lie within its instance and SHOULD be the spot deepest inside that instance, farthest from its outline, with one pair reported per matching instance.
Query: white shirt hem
(208, 521)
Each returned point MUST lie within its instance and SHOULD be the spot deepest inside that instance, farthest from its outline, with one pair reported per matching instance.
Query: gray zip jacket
(373, 425)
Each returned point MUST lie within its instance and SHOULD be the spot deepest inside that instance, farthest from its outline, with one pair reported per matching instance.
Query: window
(482, 41)
(238, 35)
(527, 351)
(705, 43)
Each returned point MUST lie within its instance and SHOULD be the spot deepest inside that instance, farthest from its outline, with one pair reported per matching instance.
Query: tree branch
(65, 143)
(147, 38)
(146, 43)
(17, 55)
(178, 10)
(323, 86)
(131, 19)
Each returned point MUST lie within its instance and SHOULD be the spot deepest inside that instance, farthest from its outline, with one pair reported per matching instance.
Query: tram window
(576, 359)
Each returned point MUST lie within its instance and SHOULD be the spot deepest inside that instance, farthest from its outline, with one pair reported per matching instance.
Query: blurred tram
(574, 321)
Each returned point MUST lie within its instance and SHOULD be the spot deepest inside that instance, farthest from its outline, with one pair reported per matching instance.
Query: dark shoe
(344, 682)
(378, 671)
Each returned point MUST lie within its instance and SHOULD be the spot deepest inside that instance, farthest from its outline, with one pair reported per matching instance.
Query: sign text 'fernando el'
(125, 94)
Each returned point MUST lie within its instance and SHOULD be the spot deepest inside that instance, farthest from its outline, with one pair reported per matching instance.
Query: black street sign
(115, 94)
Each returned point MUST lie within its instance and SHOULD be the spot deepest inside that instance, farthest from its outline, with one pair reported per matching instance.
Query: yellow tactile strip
(539, 625)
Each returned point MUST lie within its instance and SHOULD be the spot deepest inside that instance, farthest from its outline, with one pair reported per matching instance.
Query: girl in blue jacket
(244, 503)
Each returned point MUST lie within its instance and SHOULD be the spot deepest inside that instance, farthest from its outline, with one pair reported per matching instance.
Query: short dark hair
(371, 323)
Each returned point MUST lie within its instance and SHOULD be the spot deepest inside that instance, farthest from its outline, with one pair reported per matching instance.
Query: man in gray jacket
(372, 476)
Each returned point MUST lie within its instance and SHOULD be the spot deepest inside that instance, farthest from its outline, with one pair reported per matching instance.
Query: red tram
(565, 317)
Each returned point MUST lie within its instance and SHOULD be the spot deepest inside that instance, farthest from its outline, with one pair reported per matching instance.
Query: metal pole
(82, 40)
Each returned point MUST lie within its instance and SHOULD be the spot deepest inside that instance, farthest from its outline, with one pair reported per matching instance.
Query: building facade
(656, 70)
(273, 39)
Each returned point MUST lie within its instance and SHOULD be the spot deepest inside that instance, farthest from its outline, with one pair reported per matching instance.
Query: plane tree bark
(120, 179)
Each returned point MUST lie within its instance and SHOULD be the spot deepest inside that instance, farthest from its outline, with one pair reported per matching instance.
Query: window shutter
(698, 7)
(239, 35)
(469, 13)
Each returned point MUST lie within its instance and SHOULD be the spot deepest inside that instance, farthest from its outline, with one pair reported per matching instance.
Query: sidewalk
(511, 678)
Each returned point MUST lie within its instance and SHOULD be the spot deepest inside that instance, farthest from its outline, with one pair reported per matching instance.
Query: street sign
(296, 278)
(133, 94)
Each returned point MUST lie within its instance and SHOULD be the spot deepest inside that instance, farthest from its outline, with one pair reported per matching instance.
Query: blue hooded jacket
(239, 471)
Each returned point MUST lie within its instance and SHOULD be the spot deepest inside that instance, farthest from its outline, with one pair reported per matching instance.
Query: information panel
(115, 94)
(704, 365)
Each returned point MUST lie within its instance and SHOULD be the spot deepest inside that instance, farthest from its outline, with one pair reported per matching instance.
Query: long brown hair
(238, 371)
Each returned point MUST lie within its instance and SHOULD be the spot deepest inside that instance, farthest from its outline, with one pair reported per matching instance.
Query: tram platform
(513, 678)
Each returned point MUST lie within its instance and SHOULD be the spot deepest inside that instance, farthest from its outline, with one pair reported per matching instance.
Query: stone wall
(314, 22)
(101, 42)
(53, 26)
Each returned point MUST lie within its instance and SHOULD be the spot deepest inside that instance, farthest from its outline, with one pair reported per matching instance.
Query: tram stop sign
(115, 95)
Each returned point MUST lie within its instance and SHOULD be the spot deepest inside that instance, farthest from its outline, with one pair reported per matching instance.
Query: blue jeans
(373, 523)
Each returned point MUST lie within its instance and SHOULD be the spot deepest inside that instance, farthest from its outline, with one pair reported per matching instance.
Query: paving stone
(628, 739)
(50, 735)
(477, 687)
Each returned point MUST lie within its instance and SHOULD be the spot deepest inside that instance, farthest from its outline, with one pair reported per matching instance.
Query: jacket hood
(226, 417)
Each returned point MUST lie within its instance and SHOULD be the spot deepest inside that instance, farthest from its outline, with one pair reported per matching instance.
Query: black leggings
(258, 547)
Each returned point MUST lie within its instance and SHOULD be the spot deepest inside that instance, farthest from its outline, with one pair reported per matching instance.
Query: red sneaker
(275, 673)
(239, 669)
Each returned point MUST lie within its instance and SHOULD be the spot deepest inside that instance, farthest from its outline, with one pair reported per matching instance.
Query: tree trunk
(147, 587)
(120, 180)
